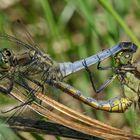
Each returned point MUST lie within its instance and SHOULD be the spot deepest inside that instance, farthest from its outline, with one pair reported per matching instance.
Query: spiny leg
(16, 107)
(103, 68)
(19, 108)
(18, 111)
(7, 91)
(32, 80)
(29, 99)
(106, 83)
(123, 92)
(39, 84)
(29, 90)
(122, 79)
(25, 84)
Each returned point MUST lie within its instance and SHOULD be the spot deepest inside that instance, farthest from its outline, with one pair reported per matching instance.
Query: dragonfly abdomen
(117, 104)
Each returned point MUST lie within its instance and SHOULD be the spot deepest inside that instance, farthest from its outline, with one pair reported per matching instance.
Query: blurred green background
(69, 30)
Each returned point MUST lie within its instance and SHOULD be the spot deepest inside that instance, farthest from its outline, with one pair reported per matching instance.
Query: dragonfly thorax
(42, 58)
(34, 64)
(123, 58)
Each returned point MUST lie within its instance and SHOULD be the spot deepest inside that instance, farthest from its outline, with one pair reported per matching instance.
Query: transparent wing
(21, 32)
(15, 41)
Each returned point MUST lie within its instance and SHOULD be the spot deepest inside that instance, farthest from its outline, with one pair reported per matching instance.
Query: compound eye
(7, 52)
(4, 63)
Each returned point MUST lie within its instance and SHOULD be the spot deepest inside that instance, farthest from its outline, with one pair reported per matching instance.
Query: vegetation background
(69, 30)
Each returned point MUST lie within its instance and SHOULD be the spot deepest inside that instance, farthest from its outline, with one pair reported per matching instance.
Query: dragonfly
(67, 68)
(34, 66)
(127, 71)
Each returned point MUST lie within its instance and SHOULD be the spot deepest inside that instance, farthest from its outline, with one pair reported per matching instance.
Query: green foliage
(73, 29)
(6, 133)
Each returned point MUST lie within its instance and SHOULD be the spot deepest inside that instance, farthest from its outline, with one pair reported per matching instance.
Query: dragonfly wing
(21, 32)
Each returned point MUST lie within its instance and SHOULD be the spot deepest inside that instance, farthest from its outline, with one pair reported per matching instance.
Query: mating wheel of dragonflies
(38, 68)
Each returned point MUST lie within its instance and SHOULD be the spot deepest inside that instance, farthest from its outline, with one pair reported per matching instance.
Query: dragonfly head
(124, 57)
(6, 59)
(128, 46)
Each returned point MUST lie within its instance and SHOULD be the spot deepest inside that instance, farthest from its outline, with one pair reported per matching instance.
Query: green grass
(72, 29)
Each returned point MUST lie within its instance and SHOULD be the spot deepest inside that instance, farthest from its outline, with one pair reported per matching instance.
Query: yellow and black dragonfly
(127, 71)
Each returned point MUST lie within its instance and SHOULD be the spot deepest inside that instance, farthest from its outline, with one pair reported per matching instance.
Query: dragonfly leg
(39, 84)
(30, 91)
(123, 92)
(103, 68)
(18, 106)
(122, 83)
(34, 81)
(102, 87)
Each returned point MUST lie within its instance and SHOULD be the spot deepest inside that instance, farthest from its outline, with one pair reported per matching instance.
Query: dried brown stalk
(75, 120)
